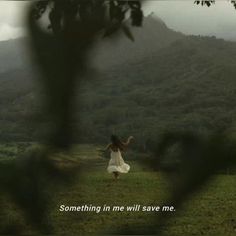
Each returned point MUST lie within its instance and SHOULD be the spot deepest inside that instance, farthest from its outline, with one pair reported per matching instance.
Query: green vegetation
(188, 85)
(210, 212)
(185, 83)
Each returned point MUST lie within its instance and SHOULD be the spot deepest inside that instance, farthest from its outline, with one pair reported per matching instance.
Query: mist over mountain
(189, 86)
(107, 52)
(162, 81)
(13, 54)
(153, 36)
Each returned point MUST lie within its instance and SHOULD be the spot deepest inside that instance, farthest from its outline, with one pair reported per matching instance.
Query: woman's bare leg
(116, 175)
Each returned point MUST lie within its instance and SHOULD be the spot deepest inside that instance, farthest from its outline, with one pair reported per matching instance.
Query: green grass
(209, 212)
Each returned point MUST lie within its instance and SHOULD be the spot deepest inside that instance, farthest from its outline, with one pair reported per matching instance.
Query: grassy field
(210, 212)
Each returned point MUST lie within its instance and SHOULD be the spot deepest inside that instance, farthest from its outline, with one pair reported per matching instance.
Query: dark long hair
(116, 142)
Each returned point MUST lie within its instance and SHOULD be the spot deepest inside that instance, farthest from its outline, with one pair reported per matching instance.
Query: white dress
(117, 164)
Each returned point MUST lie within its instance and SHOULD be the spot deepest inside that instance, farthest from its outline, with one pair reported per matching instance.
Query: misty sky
(184, 16)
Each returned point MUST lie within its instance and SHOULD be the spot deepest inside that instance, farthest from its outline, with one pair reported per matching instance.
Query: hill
(167, 81)
(188, 86)
(149, 39)
(13, 55)
(107, 52)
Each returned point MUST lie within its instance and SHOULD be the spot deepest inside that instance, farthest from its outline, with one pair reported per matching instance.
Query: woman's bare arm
(128, 140)
(108, 146)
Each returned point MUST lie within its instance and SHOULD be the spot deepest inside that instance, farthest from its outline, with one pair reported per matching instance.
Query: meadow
(209, 212)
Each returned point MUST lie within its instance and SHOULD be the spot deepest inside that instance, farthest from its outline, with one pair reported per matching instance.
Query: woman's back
(114, 148)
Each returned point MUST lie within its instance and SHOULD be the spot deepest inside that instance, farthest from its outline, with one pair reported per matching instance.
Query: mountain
(13, 54)
(152, 36)
(107, 52)
(163, 81)
(190, 85)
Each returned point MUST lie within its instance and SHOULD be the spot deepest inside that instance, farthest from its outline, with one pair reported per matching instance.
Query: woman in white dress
(116, 164)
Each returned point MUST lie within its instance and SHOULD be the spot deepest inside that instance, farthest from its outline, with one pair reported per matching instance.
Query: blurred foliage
(211, 2)
(108, 15)
(32, 180)
(203, 3)
(62, 56)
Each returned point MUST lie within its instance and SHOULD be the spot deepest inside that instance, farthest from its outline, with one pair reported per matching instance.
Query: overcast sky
(184, 16)
(11, 19)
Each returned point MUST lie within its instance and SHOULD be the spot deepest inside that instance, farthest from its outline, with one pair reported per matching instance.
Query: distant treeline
(187, 86)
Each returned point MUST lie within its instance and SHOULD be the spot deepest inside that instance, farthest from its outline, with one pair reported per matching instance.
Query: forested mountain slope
(168, 82)
(191, 85)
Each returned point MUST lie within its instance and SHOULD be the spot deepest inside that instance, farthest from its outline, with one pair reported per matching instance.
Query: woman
(116, 164)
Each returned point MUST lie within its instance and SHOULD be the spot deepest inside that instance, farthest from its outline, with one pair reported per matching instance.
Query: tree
(62, 56)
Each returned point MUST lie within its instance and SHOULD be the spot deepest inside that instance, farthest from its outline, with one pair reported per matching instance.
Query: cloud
(184, 16)
(13, 12)
(10, 32)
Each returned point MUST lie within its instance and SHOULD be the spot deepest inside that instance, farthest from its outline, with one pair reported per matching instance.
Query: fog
(12, 19)
(184, 16)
